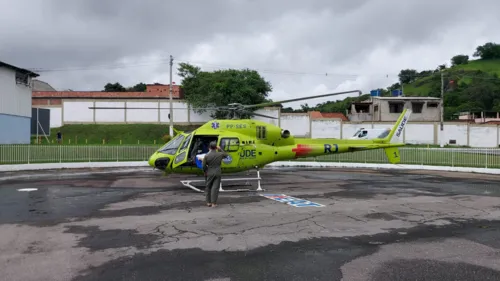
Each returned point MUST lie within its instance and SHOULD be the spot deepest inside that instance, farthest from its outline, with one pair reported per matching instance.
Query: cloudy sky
(301, 47)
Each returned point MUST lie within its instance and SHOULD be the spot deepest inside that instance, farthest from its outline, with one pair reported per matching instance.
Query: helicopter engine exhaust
(285, 134)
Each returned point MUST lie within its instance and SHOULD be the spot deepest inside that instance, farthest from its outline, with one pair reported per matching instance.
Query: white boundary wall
(144, 164)
(299, 124)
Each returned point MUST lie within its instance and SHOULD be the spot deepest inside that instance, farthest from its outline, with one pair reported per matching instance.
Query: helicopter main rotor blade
(299, 99)
(103, 107)
(261, 115)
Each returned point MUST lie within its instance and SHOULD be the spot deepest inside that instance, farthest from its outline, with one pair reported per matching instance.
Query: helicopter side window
(363, 134)
(261, 132)
(230, 144)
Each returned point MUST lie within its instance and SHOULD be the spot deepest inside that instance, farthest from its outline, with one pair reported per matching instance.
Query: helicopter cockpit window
(186, 142)
(172, 146)
(363, 133)
(230, 144)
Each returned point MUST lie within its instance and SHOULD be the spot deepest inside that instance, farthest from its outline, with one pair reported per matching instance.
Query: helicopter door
(231, 145)
(182, 156)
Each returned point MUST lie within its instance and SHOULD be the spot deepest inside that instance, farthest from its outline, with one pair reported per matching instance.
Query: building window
(416, 107)
(22, 78)
(432, 104)
(261, 132)
(396, 107)
(375, 108)
(230, 144)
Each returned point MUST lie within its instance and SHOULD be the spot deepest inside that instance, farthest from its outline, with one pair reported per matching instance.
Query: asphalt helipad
(314, 224)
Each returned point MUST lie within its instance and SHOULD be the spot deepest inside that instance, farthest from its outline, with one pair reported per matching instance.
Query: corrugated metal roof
(33, 74)
(42, 86)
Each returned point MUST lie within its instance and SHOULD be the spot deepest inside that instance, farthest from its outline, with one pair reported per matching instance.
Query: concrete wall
(15, 129)
(78, 112)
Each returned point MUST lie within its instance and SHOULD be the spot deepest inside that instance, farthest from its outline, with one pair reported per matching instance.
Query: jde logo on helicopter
(248, 153)
(292, 201)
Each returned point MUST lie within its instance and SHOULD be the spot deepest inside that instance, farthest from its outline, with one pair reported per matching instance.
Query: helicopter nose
(152, 160)
(159, 161)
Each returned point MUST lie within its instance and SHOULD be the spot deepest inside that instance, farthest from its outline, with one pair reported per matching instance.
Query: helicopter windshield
(357, 132)
(172, 146)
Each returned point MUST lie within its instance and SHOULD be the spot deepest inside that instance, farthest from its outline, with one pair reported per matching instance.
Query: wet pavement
(141, 225)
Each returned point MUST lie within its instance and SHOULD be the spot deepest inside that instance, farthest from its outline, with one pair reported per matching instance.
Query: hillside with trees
(469, 85)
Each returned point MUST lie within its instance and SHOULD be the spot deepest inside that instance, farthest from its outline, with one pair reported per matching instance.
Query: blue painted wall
(14, 129)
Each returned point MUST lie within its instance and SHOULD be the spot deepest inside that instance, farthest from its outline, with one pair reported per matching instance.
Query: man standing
(212, 168)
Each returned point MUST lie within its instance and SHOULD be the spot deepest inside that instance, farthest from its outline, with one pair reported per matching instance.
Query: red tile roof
(336, 115)
(152, 91)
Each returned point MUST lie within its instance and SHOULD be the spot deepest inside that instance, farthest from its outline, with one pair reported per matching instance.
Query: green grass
(423, 86)
(85, 134)
(24, 154)
(490, 66)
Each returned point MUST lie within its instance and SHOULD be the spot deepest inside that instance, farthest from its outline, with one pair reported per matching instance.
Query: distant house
(72, 107)
(380, 109)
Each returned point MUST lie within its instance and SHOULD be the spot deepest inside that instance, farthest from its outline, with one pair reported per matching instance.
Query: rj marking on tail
(328, 148)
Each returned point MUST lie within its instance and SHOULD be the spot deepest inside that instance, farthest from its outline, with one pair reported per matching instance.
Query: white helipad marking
(28, 189)
(292, 201)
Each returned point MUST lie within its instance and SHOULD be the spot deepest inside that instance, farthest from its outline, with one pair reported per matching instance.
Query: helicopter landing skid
(187, 183)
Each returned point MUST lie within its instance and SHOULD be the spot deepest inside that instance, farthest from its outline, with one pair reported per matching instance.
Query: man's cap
(213, 144)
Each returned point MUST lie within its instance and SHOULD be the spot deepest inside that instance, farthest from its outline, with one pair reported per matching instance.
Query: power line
(162, 61)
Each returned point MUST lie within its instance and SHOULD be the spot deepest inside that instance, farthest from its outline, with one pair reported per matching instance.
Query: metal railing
(457, 157)
(27, 154)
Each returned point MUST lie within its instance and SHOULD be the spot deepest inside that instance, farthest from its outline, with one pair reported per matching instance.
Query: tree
(222, 87)
(407, 75)
(140, 87)
(459, 59)
(116, 87)
(488, 51)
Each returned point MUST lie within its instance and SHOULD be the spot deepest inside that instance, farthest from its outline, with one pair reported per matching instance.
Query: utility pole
(442, 99)
(171, 105)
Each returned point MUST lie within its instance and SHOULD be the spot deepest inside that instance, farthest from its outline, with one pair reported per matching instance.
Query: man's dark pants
(212, 188)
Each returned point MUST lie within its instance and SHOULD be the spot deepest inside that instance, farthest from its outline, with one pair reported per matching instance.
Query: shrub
(166, 138)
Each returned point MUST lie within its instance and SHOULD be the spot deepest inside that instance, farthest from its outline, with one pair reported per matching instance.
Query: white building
(15, 104)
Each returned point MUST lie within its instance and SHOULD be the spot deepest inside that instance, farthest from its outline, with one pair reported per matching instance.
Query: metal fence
(27, 154)
(458, 157)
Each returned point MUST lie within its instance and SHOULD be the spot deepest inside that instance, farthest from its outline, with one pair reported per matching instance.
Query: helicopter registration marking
(292, 201)
(236, 126)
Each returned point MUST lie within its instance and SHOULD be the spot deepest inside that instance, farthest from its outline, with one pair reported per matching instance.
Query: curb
(137, 164)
